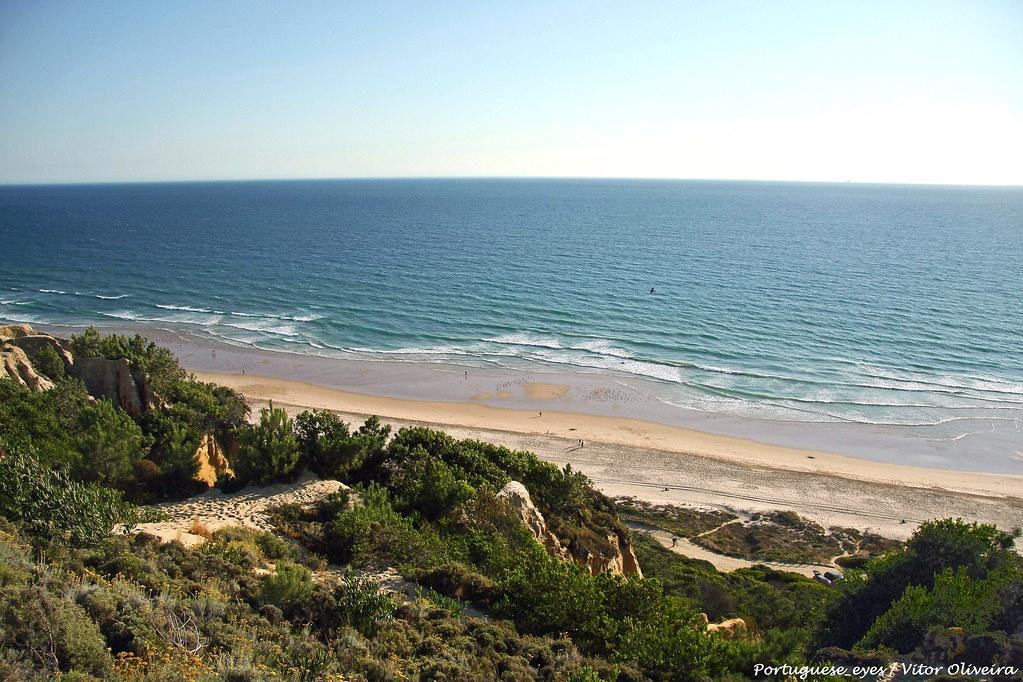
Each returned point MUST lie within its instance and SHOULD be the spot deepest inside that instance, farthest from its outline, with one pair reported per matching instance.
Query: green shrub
(971, 550)
(328, 446)
(45, 421)
(288, 587)
(269, 450)
(361, 602)
(51, 505)
(111, 443)
(53, 632)
(48, 362)
(348, 535)
(455, 580)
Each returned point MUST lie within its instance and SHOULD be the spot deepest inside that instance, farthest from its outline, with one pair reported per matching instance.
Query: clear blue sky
(890, 91)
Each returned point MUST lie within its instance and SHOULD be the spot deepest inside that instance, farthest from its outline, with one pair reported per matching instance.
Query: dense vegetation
(92, 440)
(489, 601)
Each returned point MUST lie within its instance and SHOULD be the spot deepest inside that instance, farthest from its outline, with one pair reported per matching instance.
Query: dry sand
(671, 465)
(214, 510)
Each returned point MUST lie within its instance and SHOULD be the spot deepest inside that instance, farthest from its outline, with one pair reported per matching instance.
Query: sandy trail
(248, 507)
(722, 562)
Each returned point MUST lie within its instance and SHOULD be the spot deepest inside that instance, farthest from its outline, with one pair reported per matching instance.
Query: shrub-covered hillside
(514, 569)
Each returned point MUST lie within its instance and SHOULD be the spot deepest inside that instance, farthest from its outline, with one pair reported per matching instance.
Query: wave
(602, 347)
(963, 381)
(54, 291)
(524, 340)
(263, 328)
(721, 379)
(124, 315)
(167, 306)
(271, 316)
(235, 313)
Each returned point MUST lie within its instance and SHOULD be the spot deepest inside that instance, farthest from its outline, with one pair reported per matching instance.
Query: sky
(862, 91)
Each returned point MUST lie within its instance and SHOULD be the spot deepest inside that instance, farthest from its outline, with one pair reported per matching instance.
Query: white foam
(123, 315)
(524, 340)
(602, 347)
(184, 307)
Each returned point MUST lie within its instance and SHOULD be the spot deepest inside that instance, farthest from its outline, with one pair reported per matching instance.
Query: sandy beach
(669, 464)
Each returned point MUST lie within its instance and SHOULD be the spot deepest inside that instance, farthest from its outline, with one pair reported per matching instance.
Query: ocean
(897, 307)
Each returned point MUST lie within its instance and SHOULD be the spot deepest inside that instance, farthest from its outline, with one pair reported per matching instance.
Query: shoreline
(669, 465)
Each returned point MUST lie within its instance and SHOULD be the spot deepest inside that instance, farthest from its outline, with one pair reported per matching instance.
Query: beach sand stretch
(671, 465)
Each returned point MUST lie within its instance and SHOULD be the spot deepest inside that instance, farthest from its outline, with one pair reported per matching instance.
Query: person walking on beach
(466, 375)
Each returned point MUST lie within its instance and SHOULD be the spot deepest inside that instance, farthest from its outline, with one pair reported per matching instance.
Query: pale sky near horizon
(915, 92)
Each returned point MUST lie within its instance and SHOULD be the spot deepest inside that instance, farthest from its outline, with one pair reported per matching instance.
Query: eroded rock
(115, 381)
(518, 497)
(14, 364)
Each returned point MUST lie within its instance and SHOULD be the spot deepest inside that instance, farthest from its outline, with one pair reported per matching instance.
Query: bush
(362, 603)
(48, 362)
(429, 486)
(54, 633)
(51, 505)
(455, 580)
(972, 550)
(288, 587)
(348, 535)
(269, 450)
(111, 443)
(46, 422)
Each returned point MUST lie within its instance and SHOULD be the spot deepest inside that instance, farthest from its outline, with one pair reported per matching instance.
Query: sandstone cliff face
(34, 342)
(14, 364)
(115, 381)
(103, 378)
(518, 497)
(211, 460)
(619, 558)
(17, 343)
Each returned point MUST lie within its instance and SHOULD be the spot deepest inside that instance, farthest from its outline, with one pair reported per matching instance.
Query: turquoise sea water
(884, 305)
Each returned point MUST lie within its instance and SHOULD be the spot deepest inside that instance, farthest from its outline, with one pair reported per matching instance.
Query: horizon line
(377, 178)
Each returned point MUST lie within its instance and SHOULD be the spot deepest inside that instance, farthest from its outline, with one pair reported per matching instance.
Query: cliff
(615, 554)
(103, 378)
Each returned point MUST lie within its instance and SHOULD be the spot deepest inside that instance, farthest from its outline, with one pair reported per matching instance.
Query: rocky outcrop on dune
(103, 378)
(117, 382)
(728, 629)
(18, 343)
(14, 364)
(210, 460)
(518, 497)
(618, 557)
(34, 342)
